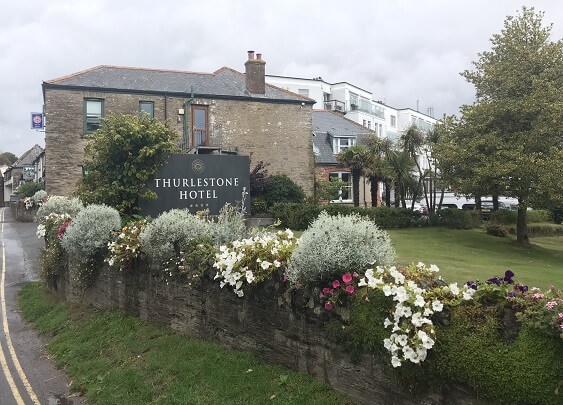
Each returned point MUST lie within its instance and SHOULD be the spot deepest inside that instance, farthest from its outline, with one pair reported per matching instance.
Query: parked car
(449, 206)
(487, 208)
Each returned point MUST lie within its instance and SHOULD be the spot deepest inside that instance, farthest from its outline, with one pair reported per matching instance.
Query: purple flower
(508, 274)
(494, 280)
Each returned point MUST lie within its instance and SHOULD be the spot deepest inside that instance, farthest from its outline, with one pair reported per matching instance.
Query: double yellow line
(12, 352)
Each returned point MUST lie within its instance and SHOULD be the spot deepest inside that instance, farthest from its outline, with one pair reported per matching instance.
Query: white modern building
(358, 105)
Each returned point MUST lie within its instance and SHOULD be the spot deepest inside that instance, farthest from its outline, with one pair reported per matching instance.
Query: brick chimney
(255, 74)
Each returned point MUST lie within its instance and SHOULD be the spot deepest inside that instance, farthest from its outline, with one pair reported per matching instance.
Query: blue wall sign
(37, 121)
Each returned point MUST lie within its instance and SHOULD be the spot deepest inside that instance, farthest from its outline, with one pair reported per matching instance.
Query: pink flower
(355, 275)
(327, 291)
(551, 304)
(335, 284)
(560, 315)
(285, 278)
(328, 306)
(350, 289)
(537, 295)
(347, 277)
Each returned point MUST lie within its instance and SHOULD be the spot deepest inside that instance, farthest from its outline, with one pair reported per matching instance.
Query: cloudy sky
(407, 53)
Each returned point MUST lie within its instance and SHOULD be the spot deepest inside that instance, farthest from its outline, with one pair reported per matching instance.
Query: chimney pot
(255, 74)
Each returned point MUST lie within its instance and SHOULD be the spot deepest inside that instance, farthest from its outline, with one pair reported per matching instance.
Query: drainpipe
(187, 103)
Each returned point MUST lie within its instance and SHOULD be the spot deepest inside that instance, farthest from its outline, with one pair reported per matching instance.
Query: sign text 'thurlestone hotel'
(191, 188)
(200, 182)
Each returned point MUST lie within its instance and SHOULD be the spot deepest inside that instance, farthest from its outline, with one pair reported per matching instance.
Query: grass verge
(113, 358)
(464, 255)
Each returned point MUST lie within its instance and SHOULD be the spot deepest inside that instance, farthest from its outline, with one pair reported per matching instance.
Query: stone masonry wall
(279, 134)
(276, 324)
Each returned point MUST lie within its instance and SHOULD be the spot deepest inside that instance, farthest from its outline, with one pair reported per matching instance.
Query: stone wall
(23, 214)
(277, 133)
(276, 324)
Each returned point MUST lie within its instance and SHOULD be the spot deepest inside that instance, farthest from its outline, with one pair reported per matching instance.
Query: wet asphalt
(27, 374)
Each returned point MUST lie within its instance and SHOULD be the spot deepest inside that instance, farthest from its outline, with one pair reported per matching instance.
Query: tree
(411, 142)
(514, 130)
(121, 157)
(355, 158)
(403, 177)
(377, 167)
(7, 159)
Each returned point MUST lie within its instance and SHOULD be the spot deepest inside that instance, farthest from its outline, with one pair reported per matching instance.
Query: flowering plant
(124, 249)
(542, 310)
(252, 260)
(417, 295)
(190, 264)
(52, 225)
(28, 202)
(333, 294)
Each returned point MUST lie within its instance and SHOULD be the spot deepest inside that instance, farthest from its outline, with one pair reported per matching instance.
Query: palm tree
(355, 158)
(377, 167)
(411, 141)
(405, 181)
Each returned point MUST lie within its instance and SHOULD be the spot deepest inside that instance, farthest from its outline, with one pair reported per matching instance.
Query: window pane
(148, 107)
(199, 126)
(93, 115)
(199, 118)
(94, 107)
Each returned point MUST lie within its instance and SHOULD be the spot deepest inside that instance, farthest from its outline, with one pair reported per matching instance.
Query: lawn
(464, 255)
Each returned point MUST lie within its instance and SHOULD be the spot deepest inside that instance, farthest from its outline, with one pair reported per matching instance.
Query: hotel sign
(198, 183)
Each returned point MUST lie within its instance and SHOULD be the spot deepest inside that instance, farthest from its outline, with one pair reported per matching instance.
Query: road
(27, 375)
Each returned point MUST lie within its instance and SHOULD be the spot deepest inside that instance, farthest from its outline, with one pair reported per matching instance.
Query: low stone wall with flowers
(276, 323)
(24, 213)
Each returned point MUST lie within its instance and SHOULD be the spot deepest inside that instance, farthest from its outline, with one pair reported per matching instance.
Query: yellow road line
(11, 349)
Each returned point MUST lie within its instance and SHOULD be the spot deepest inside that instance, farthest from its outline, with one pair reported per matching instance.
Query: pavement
(27, 374)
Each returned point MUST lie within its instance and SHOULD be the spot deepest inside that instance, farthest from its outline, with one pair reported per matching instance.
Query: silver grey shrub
(56, 204)
(90, 231)
(39, 196)
(229, 225)
(335, 245)
(170, 233)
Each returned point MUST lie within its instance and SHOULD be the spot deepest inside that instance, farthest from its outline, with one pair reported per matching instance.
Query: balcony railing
(335, 105)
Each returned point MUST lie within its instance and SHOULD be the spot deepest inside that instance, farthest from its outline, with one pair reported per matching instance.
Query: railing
(335, 105)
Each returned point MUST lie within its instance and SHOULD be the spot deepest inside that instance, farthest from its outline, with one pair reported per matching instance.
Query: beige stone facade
(275, 131)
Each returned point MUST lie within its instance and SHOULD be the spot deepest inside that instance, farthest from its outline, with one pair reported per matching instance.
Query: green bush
(296, 216)
(29, 188)
(537, 216)
(280, 188)
(456, 219)
(505, 217)
(472, 352)
(334, 245)
(391, 217)
(497, 229)
(258, 205)
(546, 229)
(59, 205)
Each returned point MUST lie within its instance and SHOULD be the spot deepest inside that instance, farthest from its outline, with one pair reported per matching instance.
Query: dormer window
(343, 143)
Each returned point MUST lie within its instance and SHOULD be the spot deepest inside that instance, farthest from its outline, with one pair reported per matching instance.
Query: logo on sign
(37, 121)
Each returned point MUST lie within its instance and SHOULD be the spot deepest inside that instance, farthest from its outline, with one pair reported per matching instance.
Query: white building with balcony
(357, 105)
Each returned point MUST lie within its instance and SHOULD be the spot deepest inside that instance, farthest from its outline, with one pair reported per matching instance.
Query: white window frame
(342, 143)
(346, 194)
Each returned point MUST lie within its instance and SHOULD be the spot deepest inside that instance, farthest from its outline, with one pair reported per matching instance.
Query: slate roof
(28, 157)
(225, 82)
(328, 125)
